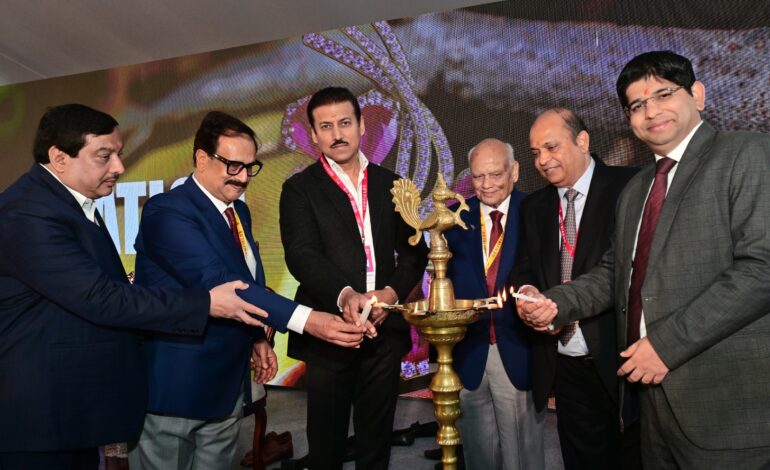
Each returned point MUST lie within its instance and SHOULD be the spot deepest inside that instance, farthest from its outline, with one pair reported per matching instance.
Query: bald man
(578, 364)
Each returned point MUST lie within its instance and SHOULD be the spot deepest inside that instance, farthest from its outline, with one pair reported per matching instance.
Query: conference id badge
(369, 259)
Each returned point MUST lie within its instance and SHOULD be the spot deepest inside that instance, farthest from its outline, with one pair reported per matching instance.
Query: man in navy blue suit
(500, 427)
(197, 235)
(71, 370)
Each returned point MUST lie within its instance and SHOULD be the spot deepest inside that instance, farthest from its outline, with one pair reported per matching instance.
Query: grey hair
(508, 151)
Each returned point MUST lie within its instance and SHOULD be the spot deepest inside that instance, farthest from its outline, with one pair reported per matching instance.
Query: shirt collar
(220, 205)
(583, 184)
(503, 207)
(678, 151)
(364, 162)
(85, 203)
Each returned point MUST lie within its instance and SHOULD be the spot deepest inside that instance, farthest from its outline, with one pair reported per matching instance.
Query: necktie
(650, 218)
(230, 214)
(497, 232)
(566, 256)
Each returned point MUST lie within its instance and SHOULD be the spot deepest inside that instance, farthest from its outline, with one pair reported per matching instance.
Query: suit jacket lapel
(634, 210)
(243, 214)
(102, 227)
(629, 219)
(510, 242)
(216, 222)
(692, 160)
(61, 193)
(338, 200)
(473, 222)
(377, 195)
(103, 239)
(549, 245)
(591, 223)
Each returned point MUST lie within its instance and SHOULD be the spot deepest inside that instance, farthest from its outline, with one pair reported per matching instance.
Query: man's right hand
(334, 329)
(352, 303)
(225, 303)
(537, 315)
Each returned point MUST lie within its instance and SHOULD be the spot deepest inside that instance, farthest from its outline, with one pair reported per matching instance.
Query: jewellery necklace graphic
(393, 107)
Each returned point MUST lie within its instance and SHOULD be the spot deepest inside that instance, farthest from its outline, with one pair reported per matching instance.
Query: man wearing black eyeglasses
(196, 235)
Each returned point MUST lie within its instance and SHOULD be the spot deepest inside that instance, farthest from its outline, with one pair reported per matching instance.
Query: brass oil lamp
(441, 318)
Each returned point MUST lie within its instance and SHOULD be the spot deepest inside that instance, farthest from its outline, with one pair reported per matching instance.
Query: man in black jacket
(340, 231)
(566, 227)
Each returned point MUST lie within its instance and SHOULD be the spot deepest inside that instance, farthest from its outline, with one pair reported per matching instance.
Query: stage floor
(286, 412)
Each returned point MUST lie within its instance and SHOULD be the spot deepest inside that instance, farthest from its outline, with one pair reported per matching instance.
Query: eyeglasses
(233, 168)
(661, 96)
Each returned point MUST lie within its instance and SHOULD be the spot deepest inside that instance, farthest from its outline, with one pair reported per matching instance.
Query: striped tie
(566, 258)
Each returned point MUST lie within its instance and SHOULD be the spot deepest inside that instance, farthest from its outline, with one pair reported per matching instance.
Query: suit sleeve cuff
(298, 319)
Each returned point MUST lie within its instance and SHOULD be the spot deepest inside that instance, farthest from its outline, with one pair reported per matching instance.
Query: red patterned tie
(650, 218)
(497, 231)
(230, 214)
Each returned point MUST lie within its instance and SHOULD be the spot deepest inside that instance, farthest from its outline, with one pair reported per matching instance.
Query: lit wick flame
(501, 299)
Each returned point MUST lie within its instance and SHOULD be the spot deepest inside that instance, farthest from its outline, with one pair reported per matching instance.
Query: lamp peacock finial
(406, 197)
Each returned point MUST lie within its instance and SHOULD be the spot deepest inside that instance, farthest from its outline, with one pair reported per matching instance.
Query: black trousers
(370, 385)
(77, 459)
(588, 421)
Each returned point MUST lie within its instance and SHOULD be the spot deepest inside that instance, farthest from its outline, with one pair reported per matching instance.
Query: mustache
(338, 142)
(239, 184)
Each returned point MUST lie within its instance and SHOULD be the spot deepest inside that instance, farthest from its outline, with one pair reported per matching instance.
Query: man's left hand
(265, 362)
(643, 364)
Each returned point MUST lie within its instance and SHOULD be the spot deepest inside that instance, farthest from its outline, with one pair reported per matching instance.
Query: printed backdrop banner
(430, 87)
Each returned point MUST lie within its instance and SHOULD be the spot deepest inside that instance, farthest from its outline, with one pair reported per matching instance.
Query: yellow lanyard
(495, 250)
(241, 234)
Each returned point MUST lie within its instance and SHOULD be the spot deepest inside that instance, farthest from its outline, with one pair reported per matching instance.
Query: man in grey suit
(687, 275)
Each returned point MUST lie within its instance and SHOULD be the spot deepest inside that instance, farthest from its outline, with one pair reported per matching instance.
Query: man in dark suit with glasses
(196, 235)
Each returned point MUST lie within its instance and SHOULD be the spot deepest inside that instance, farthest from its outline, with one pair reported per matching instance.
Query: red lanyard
(360, 216)
(563, 230)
